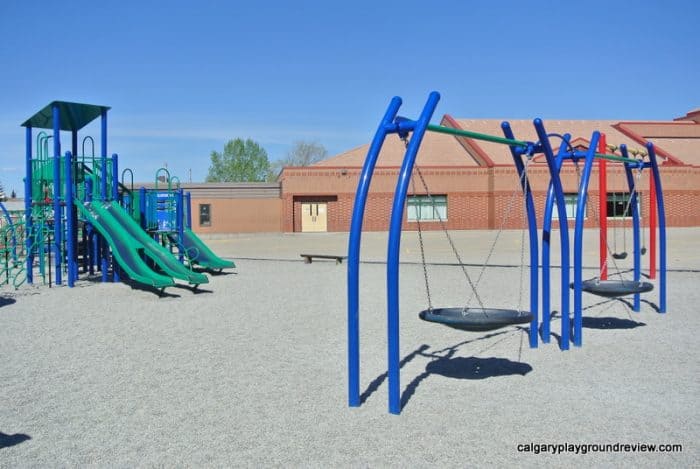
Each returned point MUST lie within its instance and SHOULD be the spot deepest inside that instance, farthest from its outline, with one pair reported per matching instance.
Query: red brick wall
(477, 198)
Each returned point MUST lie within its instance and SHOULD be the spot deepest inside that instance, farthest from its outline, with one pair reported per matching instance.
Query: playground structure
(485, 318)
(78, 214)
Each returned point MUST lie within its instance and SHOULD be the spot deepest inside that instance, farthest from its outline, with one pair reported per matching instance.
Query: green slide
(151, 248)
(124, 248)
(200, 253)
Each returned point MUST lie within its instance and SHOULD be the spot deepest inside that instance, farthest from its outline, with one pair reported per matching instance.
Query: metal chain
(475, 294)
(447, 234)
(522, 235)
(422, 251)
(618, 272)
(506, 214)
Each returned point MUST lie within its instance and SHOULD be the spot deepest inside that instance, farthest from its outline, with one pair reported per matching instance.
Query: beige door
(314, 216)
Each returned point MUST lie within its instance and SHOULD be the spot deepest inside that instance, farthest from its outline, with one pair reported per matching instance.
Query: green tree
(241, 161)
(302, 154)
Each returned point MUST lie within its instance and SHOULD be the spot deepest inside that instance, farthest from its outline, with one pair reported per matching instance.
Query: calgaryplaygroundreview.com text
(586, 448)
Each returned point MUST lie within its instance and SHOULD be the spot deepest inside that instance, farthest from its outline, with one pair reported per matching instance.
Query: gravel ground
(251, 370)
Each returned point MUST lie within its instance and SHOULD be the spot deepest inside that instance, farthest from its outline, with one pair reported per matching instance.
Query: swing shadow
(4, 301)
(453, 367)
(653, 305)
(599, 322)
(11, 440)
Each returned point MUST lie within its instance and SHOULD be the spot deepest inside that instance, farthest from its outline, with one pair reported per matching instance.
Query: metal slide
(124, 247)
(199, 253)
(160, 255)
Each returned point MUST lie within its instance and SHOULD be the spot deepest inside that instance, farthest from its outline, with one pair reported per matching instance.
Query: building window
(570, 200)
(204, 215)
(618, 202)
(426, 208)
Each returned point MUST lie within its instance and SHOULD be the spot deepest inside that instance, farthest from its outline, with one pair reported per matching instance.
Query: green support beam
(621, 159)
(475, 135)
(506, 141)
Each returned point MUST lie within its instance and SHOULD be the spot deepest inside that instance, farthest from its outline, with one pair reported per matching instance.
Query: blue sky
(182, 78)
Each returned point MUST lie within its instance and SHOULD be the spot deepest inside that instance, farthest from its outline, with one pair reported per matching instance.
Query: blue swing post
(636, 243)
(555, 195)
(589, 156)
(661, 212)
(354, 241)
(418, 129)
(517, 152)
(545, 330)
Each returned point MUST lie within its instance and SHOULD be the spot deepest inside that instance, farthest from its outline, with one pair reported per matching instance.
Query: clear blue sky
(182, 78)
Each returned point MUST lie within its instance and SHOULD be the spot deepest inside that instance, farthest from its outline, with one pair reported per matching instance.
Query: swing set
(482, 318)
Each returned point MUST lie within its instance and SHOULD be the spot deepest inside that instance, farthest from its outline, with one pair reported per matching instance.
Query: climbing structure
(76, 208)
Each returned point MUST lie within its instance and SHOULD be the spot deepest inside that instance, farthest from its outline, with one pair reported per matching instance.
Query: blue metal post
(29, 223)
(103, 194)
(662, 226)
(71, 266)
(546, 246)
(555, 181)
(74, 143)
(115, 197)
(578, 238)
(72, 230)
(188, 207)
(142, 208)
(92, 240)
(180, 225)
(517, 153)
(57, 215)
(394, 251)
(636, 242)
(355, 238)
(115, 177)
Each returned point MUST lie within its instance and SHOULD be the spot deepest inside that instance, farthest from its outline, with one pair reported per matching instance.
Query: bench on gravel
(308, 257)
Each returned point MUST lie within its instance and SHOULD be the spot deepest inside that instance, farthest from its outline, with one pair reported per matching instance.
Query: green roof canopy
(73, 116)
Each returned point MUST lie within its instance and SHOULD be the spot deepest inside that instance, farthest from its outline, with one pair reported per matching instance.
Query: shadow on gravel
(610, 323)
(214, 273)
(653, 306)
(194, 289)
(456, 368)
(376, 382)
(465, 368)
(11, 440)
(7, 301)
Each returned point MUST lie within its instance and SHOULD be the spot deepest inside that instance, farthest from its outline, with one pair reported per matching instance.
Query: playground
(104, 374)
(157, 350)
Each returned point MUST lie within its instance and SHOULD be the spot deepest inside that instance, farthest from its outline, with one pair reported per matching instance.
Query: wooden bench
(309, 257)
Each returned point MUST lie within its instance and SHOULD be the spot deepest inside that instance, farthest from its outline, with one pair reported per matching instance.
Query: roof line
(470, 145)
(623, 128)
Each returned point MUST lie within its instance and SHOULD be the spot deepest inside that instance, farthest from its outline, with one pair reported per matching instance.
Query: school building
(473, 184)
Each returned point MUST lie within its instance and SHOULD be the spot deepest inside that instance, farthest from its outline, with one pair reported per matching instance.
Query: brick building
(473, 183)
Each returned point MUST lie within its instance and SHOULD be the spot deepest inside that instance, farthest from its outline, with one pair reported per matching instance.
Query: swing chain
(504, 217)
(422, 252)
(633, 191)
(447, 235)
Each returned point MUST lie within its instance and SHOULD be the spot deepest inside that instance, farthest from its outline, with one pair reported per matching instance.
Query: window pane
(618, 202)
(427, 208)
(204, 215)
(570, 201)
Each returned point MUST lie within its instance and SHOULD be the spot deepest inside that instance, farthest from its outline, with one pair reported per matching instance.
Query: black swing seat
(475, 319)
(614, 288)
